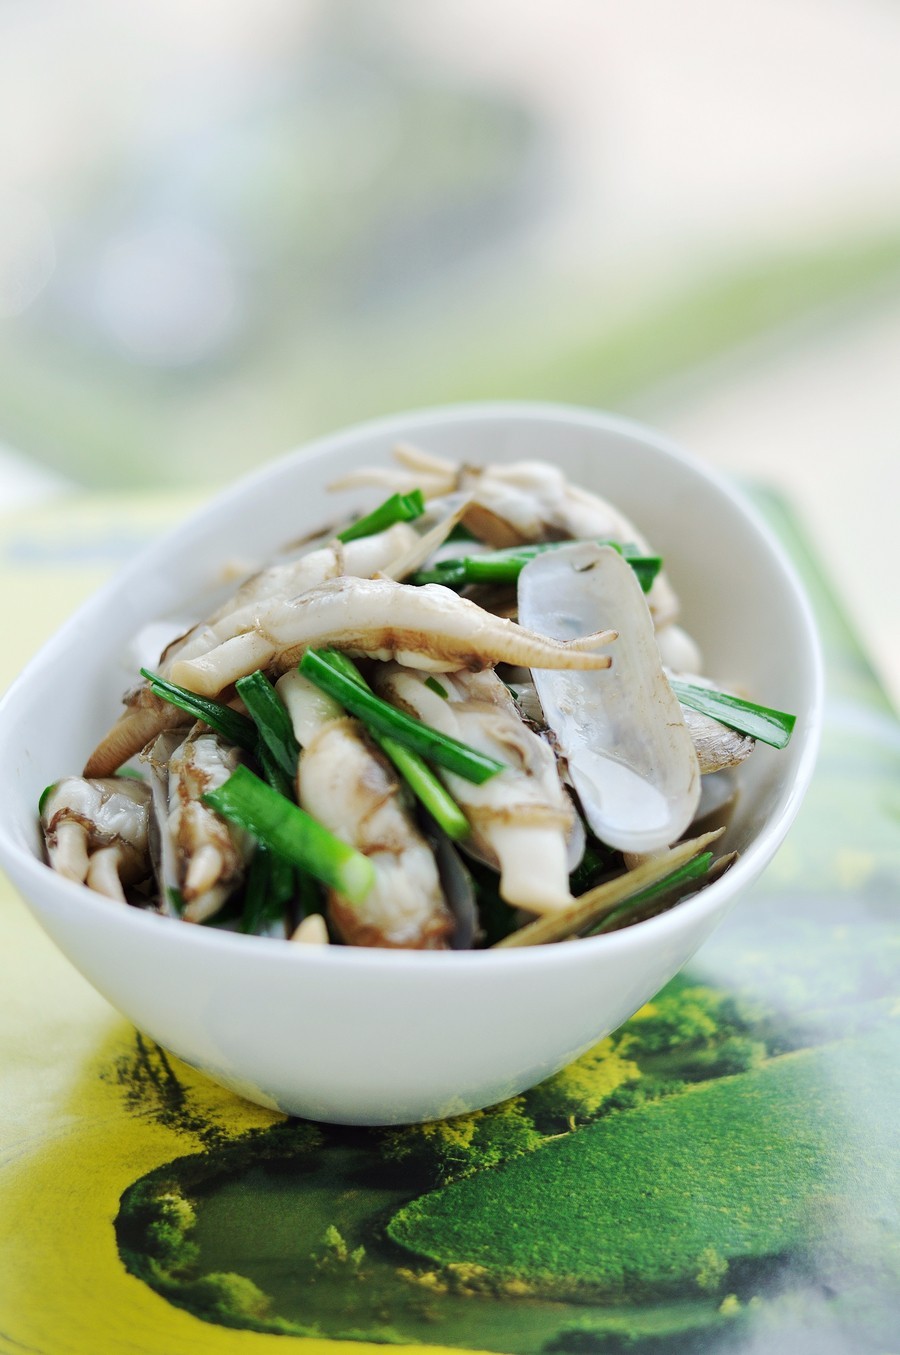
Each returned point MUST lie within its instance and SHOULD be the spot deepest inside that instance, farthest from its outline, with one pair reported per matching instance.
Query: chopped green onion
(176, 899)
(461, 533)
(307, 898)
(270, 888)
(268, 713)
(398, 508)
(433, 685)
(45, 796)
(760, 722)
(277, 891)
(286, 829)
(426, 787)
(692, 870)
(504, 566)
(273, 774)
(598, 860)
(380, 717)
(496, 918)
(646, 567)
(414, 770)
(233, 726)
(342, 664)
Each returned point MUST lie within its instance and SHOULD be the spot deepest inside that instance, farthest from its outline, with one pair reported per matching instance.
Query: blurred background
(229, 225)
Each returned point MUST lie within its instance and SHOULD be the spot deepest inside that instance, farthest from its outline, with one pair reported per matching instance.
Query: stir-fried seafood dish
(469, 718)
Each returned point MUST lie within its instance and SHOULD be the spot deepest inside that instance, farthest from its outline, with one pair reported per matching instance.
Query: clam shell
(621, 730)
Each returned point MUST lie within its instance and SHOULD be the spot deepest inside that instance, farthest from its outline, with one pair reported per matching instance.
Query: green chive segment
(269, 890)
(283, 827)
(233, 726)
(504, 566)
(760, 722)
(676, 879)
(414, 770)
(271, 719)
(398, 508)
(427, 788)
(381, 718)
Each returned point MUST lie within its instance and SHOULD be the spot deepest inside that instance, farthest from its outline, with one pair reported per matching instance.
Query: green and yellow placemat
(720, 1175)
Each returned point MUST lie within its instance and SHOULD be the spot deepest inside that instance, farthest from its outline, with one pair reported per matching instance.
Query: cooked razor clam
(627, 749)
(522, 818)
(431, 628)
(429, 775)
(716, 745)
(347, 783)
(96, 831)
(364, 557)
(398, 547)
(201, 857)
(518, 503)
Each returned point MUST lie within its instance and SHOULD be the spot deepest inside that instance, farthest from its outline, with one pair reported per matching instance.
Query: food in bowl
(388, 1035)
(468, 718)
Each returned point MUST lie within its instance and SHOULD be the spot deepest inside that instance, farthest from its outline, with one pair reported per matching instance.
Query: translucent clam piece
(622, 731)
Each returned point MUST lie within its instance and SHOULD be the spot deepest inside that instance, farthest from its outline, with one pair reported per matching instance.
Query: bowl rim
(23, 864)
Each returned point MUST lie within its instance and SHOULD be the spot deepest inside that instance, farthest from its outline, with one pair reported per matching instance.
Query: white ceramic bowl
(378, 1036)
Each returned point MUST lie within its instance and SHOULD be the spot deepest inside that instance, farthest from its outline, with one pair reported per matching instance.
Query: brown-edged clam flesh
(580, 774)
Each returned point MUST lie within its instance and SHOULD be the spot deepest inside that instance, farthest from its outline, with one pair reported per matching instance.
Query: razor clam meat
(346, 783)
(517, 504)
(201, 857)
(622, 733)
(96, 831)
(522, 818)
(717, 746)
(431, 628)
(595, 727)
(146, 715)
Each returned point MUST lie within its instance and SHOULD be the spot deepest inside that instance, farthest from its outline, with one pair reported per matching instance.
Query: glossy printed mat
(720, 1175)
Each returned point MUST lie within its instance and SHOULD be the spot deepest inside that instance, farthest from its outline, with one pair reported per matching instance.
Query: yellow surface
(68, 1145)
